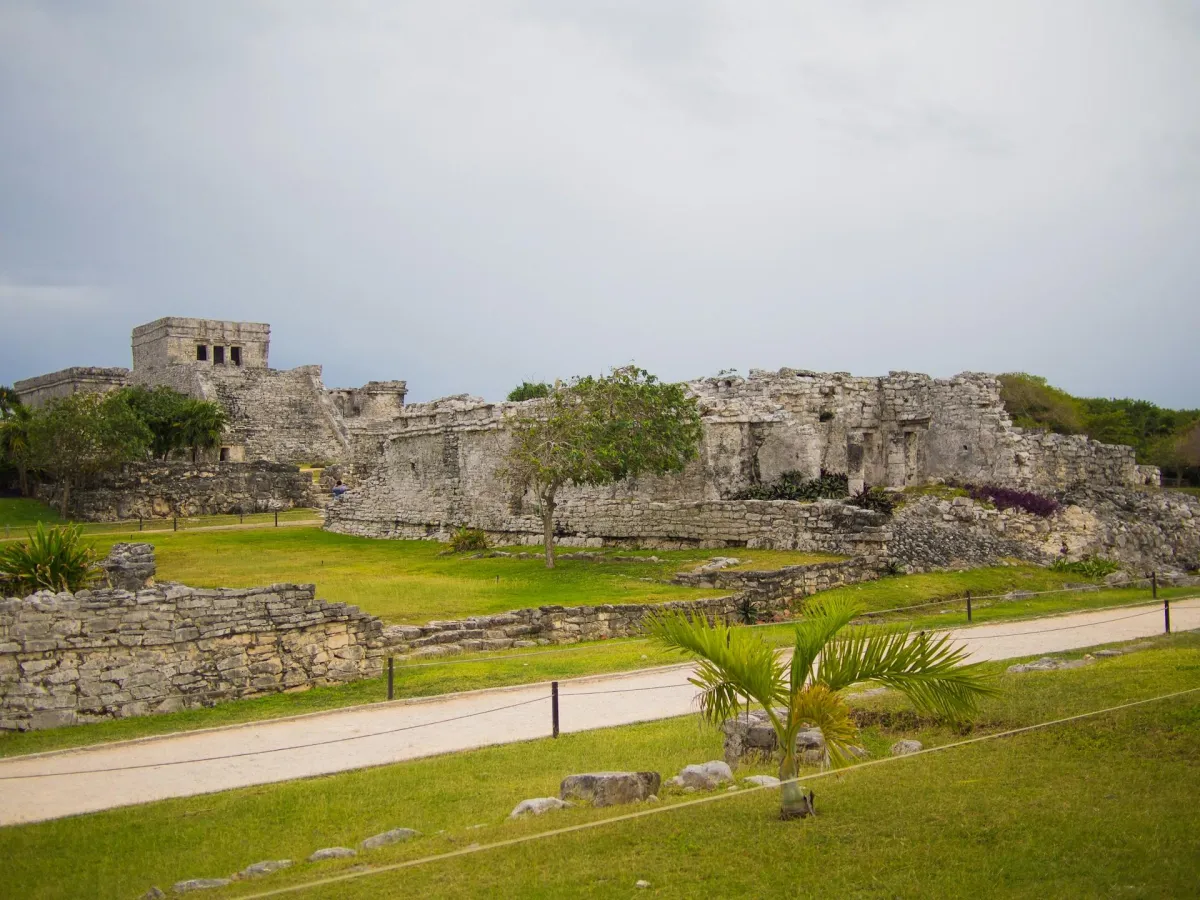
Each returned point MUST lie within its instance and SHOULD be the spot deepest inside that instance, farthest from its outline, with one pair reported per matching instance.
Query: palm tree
(201, 426)
(14, 442)
(807, 690)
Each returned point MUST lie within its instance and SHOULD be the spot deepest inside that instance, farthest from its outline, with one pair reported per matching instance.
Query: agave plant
(51, 560)
(807, 689)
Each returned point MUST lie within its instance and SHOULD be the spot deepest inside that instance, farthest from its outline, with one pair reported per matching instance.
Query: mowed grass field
(1099, 807)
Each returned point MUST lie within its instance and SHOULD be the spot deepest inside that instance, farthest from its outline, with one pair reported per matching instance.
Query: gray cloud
(469, 194)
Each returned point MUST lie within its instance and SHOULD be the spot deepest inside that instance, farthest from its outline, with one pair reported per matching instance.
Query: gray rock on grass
(155, 893)
(395, 836)
(536, 806)
(703, 777)
(609, 788)
(332, 853)
(266, 867)
(905, 747)
(762, 780)
(199, 884)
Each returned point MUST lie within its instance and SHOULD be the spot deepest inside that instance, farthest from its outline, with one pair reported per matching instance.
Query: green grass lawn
(410, 581)
(19, 515)
(1101, 807)
(21, 512)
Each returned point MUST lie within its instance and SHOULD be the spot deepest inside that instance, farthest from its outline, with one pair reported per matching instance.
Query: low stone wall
(543, 625)
(827, 526)
(84, 657)
(786, 583)
(183, 489)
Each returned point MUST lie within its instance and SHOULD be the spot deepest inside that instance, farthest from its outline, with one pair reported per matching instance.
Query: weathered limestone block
(610, 788)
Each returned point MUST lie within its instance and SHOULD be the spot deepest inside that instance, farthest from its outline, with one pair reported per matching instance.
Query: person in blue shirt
(339, 489)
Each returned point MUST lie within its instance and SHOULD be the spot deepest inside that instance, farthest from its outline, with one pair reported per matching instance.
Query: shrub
(875, 499)
(51, 560)
(1088, 567)
(529, 390)
(792, 485)
(468, 539)
(1009, 498)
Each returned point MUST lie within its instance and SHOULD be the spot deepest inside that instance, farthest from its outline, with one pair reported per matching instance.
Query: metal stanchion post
(554, 706)
(391, 678)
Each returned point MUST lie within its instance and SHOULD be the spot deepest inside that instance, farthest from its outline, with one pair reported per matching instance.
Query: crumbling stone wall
(827, 526)
(182, 489)
(38, 391)
(97, 654)
(1142, 529)
(786, 583)
(435, 465)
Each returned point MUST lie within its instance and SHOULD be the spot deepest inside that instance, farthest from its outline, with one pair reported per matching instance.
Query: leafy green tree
(201, 426)
(529, 390)
(808, 690)
(176, 421)
(75, 438)
(15, 449)
(1034, 403)
(593, 431)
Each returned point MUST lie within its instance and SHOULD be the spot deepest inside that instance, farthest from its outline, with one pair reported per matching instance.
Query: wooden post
(140, 523)
(391, 679)
(968, 606)
(1154, 585)
(1167, 614)
(175, 523)
(554, 707)
(276, 518)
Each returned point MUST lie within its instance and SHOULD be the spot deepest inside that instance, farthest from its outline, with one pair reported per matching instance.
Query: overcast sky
(467, 195)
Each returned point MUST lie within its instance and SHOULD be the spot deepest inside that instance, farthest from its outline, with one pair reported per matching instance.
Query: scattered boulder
(155, 893)
(609, 788)
(395, 836)
(266, 867)
(1117, 578)
(905, 747)
(537, 806)
(810, 744)
(748, 736)
(332, 853)
(199, 884)
(768, 781)
(641, 883)
(703, 777)
(751, 737)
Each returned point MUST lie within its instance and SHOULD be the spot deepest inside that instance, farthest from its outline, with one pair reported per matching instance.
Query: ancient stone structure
(185, 489)
(38, 391)
(112, 652)
(278, 415)
(438, 463)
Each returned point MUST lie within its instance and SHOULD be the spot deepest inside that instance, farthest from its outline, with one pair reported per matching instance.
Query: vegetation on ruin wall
(1084, 809)
(1168, 438)
(512, 667)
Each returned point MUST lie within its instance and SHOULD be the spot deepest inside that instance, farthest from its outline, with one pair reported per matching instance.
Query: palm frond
(928, 669)
(823, 619)
(819, 707)
(732, 662)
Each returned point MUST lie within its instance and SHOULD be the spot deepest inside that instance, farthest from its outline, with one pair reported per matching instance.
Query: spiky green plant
(807, 690)
(53, 559)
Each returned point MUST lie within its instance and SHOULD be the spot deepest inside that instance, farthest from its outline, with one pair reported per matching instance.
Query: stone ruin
(422, 470)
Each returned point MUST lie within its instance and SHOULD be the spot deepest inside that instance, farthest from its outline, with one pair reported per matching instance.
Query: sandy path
(250, 754)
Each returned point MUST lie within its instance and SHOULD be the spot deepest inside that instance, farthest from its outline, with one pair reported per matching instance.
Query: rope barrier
(687, 804)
